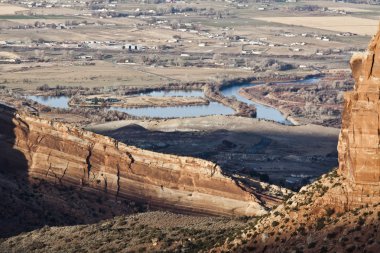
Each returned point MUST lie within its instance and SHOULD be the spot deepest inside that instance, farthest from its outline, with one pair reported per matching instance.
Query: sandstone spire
(359, 151)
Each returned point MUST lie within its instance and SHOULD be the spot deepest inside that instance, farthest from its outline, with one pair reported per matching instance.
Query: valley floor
(288, 155)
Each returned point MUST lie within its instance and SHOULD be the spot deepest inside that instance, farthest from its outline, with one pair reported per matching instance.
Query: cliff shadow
(13, 177)
(290, 159)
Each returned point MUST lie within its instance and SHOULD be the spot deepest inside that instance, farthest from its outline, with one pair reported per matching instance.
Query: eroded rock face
(359, 152)
(340, 211)
(66, 155)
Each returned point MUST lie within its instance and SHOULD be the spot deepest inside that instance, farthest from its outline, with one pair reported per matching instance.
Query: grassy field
(32, 17)
(349, 7)
(30, 76)
(359, 26)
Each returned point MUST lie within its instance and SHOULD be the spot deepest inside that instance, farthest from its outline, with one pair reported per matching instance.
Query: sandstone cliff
(67, 155)
(359, 152)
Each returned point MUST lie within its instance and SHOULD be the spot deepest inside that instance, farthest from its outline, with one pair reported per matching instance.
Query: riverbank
(226, 93)
(173, 100)
(307, 103)
(287, 114)
(240, 108)
(108, 100)
(212, 90)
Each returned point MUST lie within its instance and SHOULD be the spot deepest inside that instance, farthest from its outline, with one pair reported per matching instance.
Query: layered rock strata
(67, 155)
(359, 141)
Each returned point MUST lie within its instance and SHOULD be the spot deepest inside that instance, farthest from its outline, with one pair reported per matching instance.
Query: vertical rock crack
(88, 160)
(118, 180)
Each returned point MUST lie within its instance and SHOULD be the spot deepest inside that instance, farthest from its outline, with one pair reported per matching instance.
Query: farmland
(344, 24)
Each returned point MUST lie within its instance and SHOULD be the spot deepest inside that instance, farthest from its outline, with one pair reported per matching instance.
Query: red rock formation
(340, 211)
(359, 152)
(64, 154)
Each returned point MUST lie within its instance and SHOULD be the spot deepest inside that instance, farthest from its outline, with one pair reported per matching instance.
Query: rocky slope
(63, 154)
(306, 223)
(145, 232)
(341, 211)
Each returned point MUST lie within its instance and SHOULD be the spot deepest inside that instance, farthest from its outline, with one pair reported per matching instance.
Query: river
(263, 111)
(214, 108)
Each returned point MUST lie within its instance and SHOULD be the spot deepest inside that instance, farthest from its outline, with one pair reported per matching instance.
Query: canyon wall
(359, 152)
(67, 155)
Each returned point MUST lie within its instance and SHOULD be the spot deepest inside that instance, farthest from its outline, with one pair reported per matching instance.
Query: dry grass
(57, 11)
(8, 55)
(146, 232)
(360, 26)
(30, 76)
(7, 9)
(150, 101)
(348, 9)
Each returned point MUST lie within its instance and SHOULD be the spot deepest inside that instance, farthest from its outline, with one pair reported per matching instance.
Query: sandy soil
(211, 123)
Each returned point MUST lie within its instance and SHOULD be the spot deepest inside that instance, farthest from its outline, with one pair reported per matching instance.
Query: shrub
(351, 248)
(311, 245)
(361, 221)
(331, 235)
(320, 223)
(330, 211)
